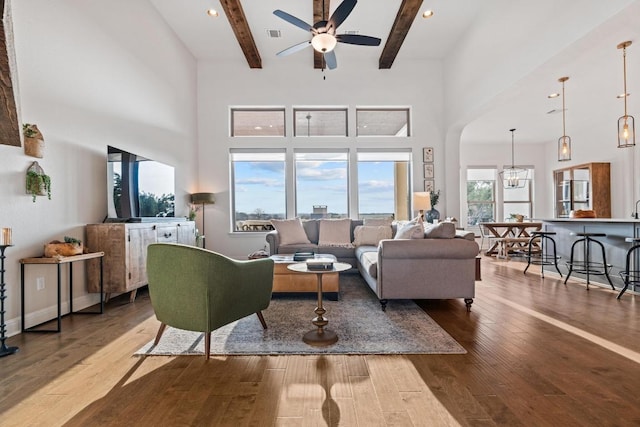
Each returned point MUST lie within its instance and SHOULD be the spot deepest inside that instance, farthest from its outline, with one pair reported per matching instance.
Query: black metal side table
(4, 350)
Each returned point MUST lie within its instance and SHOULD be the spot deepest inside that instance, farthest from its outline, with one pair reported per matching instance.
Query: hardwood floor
(539, 353)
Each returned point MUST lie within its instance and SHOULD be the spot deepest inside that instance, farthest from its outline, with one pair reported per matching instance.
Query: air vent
(352, 32)
(274, 34)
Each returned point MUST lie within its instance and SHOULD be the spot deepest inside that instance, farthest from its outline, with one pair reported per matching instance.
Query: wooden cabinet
(585, 187)
(125, 248)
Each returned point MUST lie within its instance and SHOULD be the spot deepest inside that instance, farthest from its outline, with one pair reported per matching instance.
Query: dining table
(517, 233)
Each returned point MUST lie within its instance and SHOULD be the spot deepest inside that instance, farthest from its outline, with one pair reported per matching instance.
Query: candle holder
(4, 350)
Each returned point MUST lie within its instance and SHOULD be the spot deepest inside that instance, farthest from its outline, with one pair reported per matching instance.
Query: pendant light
(513, 177)
(564, 142)
(626, 126)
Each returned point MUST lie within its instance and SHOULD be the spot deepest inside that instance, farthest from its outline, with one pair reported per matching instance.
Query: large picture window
(384, 184)
(257, 122)
(382, 122)
(320, 122)
(258, 189)
(481, 196)
(322, 184)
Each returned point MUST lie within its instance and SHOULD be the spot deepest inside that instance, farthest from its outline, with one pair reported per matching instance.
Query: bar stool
(630, 276)
(543, 257)
(586, 266)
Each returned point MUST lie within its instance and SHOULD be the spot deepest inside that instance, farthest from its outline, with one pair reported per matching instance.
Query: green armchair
(200, 290)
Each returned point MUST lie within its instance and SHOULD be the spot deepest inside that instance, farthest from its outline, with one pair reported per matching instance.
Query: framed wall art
(429, 185)
(427, 155)
(428, 171)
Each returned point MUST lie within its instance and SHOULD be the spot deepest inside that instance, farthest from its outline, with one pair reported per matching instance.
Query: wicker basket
(34, 147)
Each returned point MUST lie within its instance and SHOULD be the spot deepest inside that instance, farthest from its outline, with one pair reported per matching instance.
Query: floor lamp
(203, 199)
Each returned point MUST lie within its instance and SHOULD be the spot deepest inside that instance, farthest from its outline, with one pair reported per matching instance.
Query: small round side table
(319, 337)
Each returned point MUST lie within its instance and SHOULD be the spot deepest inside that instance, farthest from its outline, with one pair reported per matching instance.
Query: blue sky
(260, 185)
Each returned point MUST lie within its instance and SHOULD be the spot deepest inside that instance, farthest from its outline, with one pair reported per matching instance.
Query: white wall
(90, 74)
(414, 84)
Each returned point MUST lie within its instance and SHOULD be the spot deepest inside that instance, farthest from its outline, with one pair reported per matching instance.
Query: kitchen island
(616, 229)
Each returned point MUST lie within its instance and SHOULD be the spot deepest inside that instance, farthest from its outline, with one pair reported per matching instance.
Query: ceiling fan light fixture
(324, 42)
(626, 125)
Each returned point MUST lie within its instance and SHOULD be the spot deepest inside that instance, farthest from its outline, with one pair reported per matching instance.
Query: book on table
(320, 264)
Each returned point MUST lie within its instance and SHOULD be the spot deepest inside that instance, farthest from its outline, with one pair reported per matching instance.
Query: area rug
(361, 325)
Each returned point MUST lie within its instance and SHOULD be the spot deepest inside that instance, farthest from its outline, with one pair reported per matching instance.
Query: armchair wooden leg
(264, 324)
(207, 345)
(159, 334)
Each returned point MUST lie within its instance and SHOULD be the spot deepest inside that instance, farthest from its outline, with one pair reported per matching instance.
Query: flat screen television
(138, 188)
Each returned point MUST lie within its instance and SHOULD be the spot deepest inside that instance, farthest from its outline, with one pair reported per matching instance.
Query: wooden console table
(58, 262)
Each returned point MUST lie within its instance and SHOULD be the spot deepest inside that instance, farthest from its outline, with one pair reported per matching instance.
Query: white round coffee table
(319, 337)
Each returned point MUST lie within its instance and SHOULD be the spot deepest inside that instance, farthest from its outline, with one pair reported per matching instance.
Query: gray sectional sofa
(417, 268)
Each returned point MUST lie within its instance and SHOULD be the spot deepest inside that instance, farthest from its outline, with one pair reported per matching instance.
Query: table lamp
(203, 199)
(422, 202)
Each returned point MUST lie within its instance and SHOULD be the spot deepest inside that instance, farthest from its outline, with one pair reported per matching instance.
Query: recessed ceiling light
(427, 14)
(623, 95)
(258, 128)
(553, 95)
(212, 12)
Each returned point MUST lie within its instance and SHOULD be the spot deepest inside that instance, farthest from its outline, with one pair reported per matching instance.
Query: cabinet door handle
(167, 235)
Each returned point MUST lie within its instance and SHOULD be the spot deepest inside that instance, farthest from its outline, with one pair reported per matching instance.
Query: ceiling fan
(324, 37)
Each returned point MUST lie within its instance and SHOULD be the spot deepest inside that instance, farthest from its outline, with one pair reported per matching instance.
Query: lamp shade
(422, 201)
(203, 198)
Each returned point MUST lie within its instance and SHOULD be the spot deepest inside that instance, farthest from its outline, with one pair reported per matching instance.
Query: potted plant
(432, 214)
(38, 183)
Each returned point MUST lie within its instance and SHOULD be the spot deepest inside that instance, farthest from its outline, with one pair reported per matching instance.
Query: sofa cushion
(368, 235)
(335, 232)
(369, 262)
(290, 231)
(442, 230)
(410, 230)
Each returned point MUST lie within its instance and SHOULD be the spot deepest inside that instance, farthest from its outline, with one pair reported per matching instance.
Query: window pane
(481, 195)
(382, 122)
(316, 122)
(480, 191)
(257, 122)
(480, 212)
(321, 185)
(518, 194)
(513, 209)
(383, 185)
(258, 189)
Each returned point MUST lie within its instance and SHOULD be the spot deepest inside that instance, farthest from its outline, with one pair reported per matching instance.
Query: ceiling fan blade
(358, 39)
(293, 20)
(330, 59)
(341, 13)
(294, 48)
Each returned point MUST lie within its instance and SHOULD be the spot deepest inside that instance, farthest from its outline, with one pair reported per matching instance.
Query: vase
(432, 214)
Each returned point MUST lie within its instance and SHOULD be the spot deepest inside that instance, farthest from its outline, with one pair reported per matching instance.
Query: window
(382, 122)
(257, 122)
(258, 192)
(518, 200)
(384, 184)
(481, 196)
(320, 122)
(321, 180)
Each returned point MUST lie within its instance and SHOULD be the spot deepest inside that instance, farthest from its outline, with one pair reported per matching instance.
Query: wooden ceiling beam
(9, 115)
(235, 14)
(405, 17)
(319, 15)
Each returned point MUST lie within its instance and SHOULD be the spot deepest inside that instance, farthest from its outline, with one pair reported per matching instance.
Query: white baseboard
(13, 326)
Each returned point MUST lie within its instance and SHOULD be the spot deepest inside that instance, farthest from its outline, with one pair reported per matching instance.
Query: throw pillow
(368, 235)
(442, 230)
(290, 231)
(335, 232)
(410, 230)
